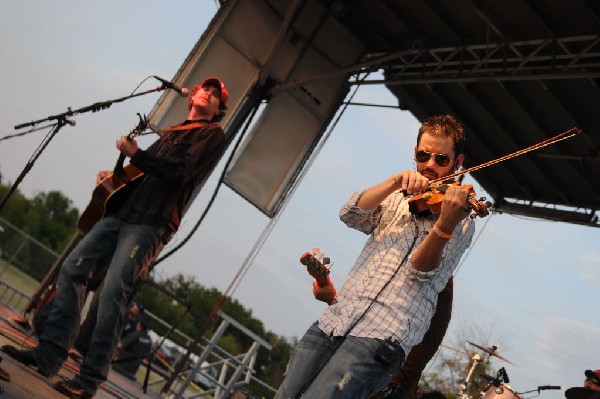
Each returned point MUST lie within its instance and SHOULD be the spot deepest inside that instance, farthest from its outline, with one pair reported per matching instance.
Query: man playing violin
(390, 295)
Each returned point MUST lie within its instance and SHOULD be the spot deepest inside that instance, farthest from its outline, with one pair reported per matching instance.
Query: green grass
(17, 279)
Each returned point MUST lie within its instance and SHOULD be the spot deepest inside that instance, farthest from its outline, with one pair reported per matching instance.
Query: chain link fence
(23, 252)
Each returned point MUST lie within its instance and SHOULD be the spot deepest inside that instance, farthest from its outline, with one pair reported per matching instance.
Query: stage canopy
(514, 72)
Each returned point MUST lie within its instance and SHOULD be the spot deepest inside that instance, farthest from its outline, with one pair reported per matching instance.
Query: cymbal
(454, 349)
(491, 351)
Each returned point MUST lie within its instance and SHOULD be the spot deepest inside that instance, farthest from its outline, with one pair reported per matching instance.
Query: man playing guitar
(131, 233)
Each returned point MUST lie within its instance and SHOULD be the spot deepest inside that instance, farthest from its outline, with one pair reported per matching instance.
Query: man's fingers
(413, 182)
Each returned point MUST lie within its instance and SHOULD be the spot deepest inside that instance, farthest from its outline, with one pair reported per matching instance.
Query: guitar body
(108, 194)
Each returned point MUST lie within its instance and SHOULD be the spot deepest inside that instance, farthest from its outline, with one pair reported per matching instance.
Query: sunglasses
(424, 156)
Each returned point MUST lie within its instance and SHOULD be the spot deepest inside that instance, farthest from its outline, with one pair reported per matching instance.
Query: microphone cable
(343, 337)
(214, 194)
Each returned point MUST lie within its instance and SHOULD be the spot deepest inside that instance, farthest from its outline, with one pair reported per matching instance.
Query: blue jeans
(132, 247)
(324, 367)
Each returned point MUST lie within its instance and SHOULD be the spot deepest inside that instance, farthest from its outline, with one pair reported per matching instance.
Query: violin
(430, 201)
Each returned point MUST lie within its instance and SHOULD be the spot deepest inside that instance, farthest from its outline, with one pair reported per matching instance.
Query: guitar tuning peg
(326, 260)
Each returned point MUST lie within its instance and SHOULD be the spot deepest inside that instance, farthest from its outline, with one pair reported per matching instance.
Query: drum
(504, 391)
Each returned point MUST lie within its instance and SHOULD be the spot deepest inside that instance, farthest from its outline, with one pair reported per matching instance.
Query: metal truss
(546, 211)
(575, 57)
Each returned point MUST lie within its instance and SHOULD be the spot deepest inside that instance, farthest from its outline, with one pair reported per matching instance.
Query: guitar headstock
(139, 129)
(141, 126)
(315, 265)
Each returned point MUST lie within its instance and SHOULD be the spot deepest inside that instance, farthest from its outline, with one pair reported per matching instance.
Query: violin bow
(559, 137)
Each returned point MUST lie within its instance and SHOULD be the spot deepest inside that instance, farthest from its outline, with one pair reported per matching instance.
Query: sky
(530, 285)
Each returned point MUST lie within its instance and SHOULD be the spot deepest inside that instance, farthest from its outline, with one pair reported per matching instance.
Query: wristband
(440, 233)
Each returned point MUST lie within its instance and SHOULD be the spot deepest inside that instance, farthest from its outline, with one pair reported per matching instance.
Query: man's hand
(127, 147)
(326, 293)
(454, 207)
(103, 174)
(410, 181)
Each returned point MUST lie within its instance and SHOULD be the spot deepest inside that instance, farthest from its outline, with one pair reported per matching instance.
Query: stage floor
(26, 383)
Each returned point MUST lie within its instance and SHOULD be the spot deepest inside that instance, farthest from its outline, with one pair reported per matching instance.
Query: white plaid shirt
(404, 308)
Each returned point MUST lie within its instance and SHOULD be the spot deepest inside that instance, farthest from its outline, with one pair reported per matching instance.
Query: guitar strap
(188, 126)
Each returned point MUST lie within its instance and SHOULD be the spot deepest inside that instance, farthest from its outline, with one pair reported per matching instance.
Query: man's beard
(426, 171)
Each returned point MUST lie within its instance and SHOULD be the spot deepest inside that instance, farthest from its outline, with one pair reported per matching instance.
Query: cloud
(573, 345)
(589, 266)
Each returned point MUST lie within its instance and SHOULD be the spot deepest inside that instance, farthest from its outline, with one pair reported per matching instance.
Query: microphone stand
(62, 120)
(475, 360)
(541, 388)
(533, 390)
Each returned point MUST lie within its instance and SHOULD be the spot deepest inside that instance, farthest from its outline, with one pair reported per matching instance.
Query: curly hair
(444, 126)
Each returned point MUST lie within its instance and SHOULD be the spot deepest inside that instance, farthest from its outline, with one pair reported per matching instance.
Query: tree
(53, 219)
(15, 207)
(196, 299)
(49, 217)
(460, 356)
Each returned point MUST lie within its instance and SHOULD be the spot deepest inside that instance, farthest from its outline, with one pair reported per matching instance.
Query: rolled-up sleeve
(458, 244)
(363, 220)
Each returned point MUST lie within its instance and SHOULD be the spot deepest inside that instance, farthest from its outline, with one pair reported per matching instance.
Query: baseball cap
(216, 82)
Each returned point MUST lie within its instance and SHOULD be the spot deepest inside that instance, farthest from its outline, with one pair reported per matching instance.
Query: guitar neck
(121, 160)
(119, 164)
(321, 281)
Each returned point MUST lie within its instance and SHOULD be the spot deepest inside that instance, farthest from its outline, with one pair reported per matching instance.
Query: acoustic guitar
(113, 189)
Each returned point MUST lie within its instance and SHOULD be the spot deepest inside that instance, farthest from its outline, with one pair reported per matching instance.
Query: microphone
(504, 375)
(183, 92)
(543, 387)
